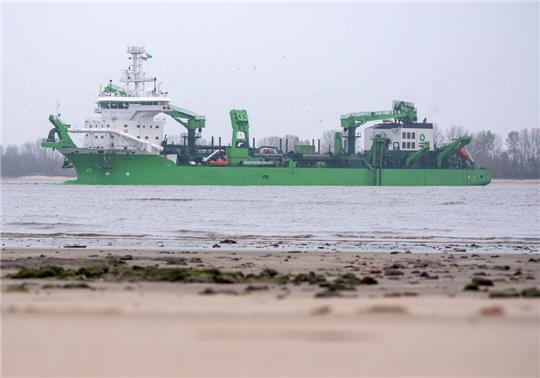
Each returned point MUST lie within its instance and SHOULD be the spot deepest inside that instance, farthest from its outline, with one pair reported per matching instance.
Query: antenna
(57, 107)
(135, 74)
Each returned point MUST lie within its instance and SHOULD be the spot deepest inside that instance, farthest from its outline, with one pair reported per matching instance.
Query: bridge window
(404, 135)
(413, 145)
(414, 136)
(403, 145)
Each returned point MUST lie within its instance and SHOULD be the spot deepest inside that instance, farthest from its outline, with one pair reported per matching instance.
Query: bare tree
(454, 132)
(327, 140)
(438, 137)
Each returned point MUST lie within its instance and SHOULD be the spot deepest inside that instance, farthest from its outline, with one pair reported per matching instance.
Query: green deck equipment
(452, 148)
(338, 144)
(374, 158)
(191, 121)
(238, 152)
(58, 136)
(116, 90)
(401, 111)
(416, 155)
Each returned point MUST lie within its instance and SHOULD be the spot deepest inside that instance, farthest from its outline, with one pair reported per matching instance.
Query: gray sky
(294, 67)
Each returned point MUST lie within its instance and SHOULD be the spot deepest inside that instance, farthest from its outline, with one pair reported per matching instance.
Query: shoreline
(233, 313)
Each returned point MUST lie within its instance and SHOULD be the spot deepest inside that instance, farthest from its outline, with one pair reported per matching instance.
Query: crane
(401, 111)
(191, 121)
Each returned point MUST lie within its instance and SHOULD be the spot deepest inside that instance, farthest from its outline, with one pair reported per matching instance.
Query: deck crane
(191, 121)
(401, 112)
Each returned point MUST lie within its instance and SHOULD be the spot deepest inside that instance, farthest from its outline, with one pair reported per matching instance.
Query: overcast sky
(295, 68)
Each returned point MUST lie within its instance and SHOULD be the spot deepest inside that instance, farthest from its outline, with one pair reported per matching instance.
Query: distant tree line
(32, 160)
(515, 156)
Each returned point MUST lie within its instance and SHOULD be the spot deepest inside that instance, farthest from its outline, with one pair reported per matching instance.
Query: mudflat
(82, 312)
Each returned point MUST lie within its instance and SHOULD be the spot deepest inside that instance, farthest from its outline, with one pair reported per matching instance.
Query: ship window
(150, 126)
(108, 125)
(413, 145)
(157, 137)
(138, 137)
(112, 144)
(143, 126)
(157, 126)
(139, 126)
(414, 136)
(125, 125)
(114, 105)
(404, 135)
(96, 136)
(102, 137)
(403, 145)
(146, 137)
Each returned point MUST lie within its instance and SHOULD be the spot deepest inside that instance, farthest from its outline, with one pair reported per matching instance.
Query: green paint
(116, 90)
(452, 149)
(58, 137)
(134, 169)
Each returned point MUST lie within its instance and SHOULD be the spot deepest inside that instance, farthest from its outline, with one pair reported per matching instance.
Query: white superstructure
(405, 137)
(129, 115)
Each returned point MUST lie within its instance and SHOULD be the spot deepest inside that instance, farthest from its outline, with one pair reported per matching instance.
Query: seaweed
(42, 272)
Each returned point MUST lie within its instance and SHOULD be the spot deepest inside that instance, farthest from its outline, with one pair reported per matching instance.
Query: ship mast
(135, 74)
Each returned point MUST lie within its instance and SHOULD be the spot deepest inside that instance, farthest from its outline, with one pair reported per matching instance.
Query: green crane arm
(452, 148)
(400, 110)
(240, 126)
(416, 155)
(186, 118)
(115, 89)
(60, 129)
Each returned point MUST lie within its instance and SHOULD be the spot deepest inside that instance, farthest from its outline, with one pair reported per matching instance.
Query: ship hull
(145, 169)
(134, 169)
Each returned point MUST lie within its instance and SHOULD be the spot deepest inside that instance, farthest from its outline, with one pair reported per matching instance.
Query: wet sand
(356, 314)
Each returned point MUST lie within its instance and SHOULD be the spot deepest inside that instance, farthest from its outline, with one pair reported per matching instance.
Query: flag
(146, 56)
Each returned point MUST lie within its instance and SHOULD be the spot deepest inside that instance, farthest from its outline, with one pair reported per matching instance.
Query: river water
(44, 213)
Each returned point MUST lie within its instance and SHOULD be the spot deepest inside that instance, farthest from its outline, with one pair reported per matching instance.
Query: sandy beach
(224, 313)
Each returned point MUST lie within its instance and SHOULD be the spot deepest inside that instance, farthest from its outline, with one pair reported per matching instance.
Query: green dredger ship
(126, 145)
